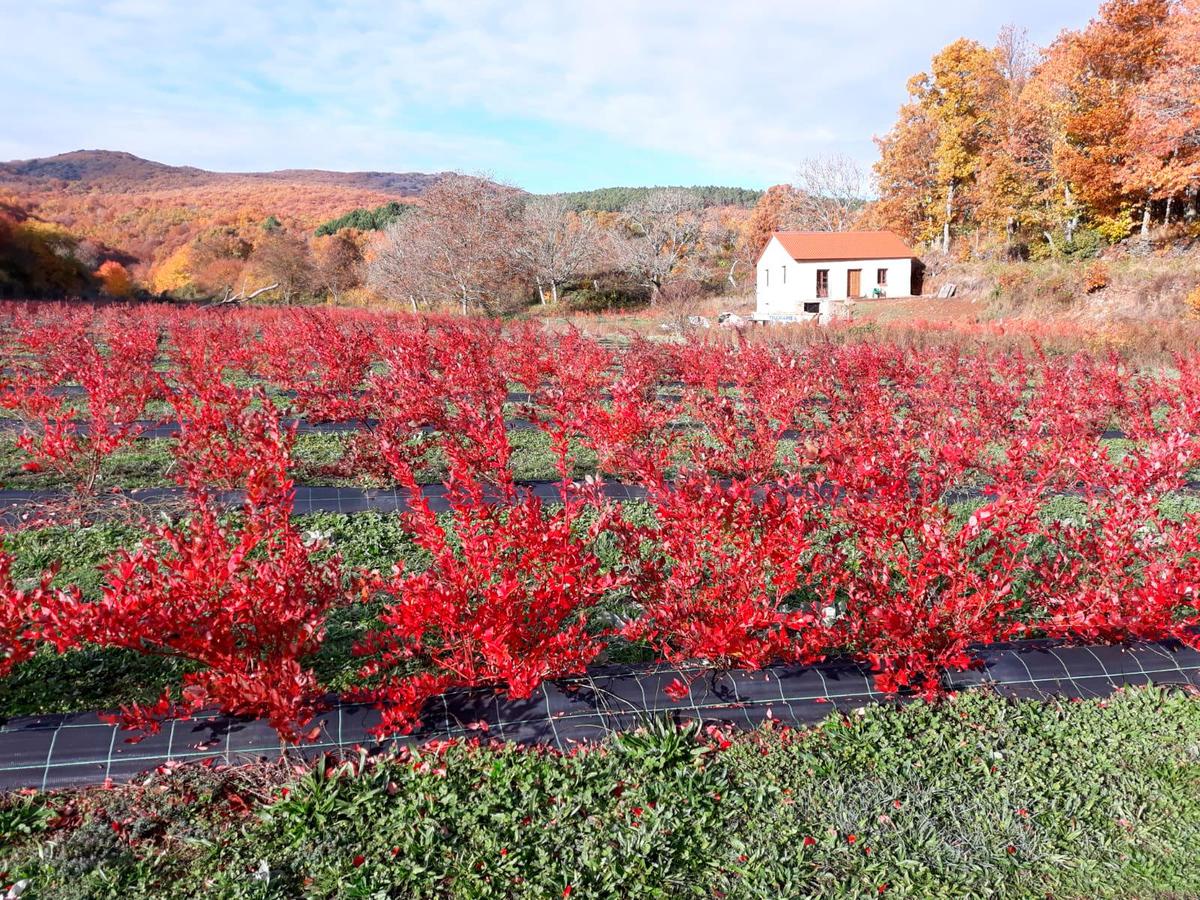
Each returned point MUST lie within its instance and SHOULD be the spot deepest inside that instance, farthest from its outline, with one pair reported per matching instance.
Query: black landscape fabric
(19, 506)
(54, 751)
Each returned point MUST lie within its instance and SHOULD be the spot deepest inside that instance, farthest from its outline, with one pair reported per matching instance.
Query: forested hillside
(617, 199)
(112, 222)
(175, 228)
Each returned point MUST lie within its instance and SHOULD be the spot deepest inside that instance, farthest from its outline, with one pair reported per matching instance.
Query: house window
(881, 277)
(812, 306)
(822, 283)
(767, 276)
(784, 274)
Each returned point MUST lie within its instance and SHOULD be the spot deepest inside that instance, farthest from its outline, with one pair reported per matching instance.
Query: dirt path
(913, 309)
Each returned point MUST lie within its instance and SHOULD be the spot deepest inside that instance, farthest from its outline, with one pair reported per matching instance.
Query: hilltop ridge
(116, 171)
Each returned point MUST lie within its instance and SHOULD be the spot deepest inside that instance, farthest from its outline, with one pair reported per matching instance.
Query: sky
(551, 95)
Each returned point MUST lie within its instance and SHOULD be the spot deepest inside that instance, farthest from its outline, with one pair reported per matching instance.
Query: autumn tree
(1007, 184)
(1165, 129)
(1053, 209)
(1016, 57)
(961, 93)
(459, 247)
(114, 278)
(212, 263)
(173, 274)
(767, 217)
(556, 243)
(723, 243)
(1103, 69)
(906, 173)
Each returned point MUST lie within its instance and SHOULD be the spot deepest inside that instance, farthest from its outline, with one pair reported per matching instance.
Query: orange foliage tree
(1165, 129)
(1106, 65)
(768, 216)
(114, 278)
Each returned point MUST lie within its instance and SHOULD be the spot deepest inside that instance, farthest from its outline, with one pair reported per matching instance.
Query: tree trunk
(554, 292)
(1167, 211)
(1072, 219)
(949, 216)
(1146, 220)
(1189, 211)
(541, 290)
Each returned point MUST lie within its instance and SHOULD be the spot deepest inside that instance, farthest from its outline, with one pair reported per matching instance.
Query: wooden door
(854, 283)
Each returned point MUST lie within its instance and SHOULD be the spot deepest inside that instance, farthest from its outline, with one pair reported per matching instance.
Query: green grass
(148, 463)
(977, 797)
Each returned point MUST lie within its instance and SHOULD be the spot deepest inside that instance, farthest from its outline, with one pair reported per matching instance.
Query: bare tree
(339, 264)
(557, 244)
(245, 295)
(285, 259)
(1017, 58)
(830, 192)
(721, 240)
(458, 247)
(657, 236)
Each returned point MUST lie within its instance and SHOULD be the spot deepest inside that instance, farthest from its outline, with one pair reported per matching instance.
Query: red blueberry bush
(321, 356)
(729, 582)
(1124, 568)
(116, 379)
(504, 602)
(18, 609)
(245, 603)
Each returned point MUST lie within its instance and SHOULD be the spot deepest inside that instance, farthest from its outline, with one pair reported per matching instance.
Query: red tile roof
(834, 245)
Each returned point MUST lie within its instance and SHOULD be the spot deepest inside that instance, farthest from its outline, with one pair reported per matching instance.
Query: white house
(811, 274)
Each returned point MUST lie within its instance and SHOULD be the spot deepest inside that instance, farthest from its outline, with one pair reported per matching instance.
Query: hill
(113, 171)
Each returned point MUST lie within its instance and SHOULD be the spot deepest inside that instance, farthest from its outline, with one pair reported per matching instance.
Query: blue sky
(545, 95)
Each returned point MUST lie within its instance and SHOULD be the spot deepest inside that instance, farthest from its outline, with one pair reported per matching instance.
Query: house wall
(783, 295)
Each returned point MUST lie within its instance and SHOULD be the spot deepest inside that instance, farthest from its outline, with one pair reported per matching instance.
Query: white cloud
(739, 90)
